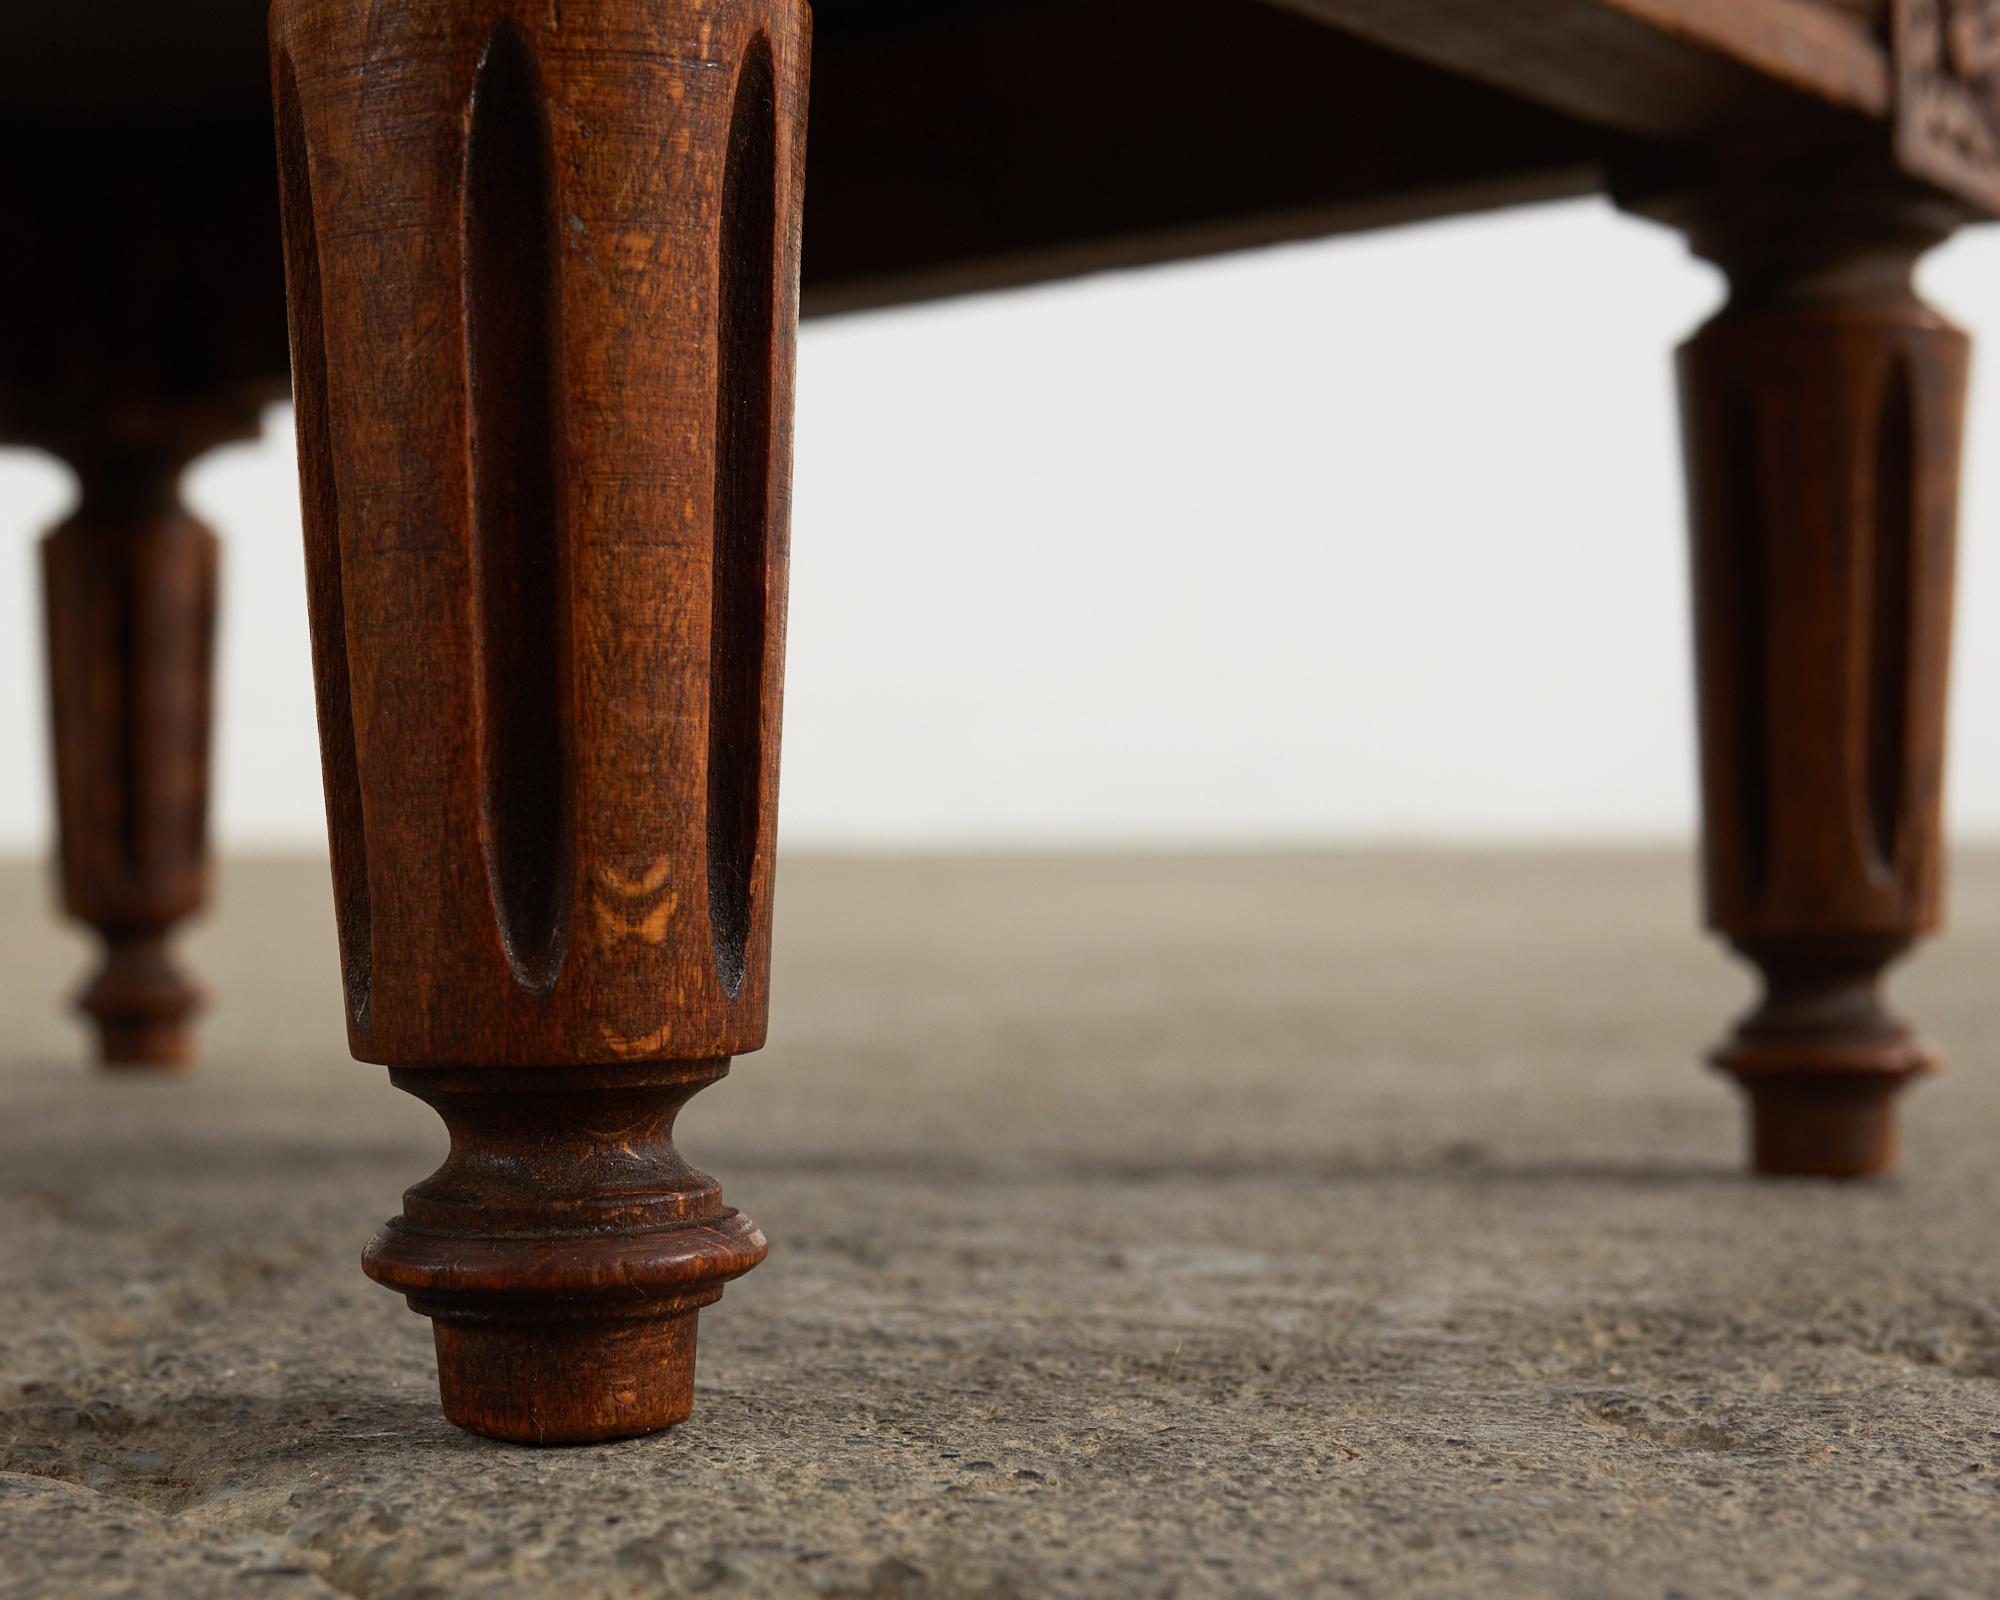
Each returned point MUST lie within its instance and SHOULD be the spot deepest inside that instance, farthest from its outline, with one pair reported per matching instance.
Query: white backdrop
(1378, 539)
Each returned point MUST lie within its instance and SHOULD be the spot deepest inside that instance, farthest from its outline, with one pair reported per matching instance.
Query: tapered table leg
(542, 264)
(130, 589)
(1823, 409)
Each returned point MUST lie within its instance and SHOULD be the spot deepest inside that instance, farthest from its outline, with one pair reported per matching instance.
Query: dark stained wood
(1685, 71)
(130, 590)
(543, 271)
(145, 329)
(128, 377)
(543, 288)
(153, 263)
(1823, 412)
(1141, 139)
(564, 1249)
(958, 150)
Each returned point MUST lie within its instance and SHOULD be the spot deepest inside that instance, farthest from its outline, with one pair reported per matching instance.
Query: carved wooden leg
(543, 273)
(131, 593)
(1822, 412)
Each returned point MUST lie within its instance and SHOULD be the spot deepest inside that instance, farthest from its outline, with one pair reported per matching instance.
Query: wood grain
(543, 270)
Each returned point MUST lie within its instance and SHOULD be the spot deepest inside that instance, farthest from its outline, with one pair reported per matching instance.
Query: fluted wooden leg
(1823, 409)
(130, 586)
(542, 264)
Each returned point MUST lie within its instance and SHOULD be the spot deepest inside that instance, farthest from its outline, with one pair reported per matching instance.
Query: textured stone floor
(1152, 1227)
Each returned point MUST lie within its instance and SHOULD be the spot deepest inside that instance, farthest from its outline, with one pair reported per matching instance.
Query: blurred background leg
(543, 272)
(130, 595)
(143, 330)
(1823, 407)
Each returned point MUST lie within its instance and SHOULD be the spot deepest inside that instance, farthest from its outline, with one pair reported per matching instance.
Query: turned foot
(1812, 1125)
(141, 1003)
(1822, 1061)
(564, 1249)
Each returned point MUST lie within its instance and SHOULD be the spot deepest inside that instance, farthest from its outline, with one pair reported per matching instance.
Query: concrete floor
(1344, 1225)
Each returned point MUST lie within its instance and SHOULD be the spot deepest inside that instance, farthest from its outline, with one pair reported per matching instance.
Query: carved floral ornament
(1947, 56)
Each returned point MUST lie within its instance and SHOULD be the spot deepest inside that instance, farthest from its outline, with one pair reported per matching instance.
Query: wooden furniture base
(1824, 406)
(544, 438)
(542, 266)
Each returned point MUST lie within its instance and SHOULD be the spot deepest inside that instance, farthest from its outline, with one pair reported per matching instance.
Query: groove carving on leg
(520, 574)
(320, 500)
(746, 270)
(1823, 408)
(130, 592)
(550, 255)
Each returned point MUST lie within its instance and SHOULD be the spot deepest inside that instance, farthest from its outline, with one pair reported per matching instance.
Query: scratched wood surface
(544, 426)
(543, 273)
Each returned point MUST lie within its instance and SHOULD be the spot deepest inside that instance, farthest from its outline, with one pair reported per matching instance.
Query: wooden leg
(131, 590)
(543, 264)
(1823, 409)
